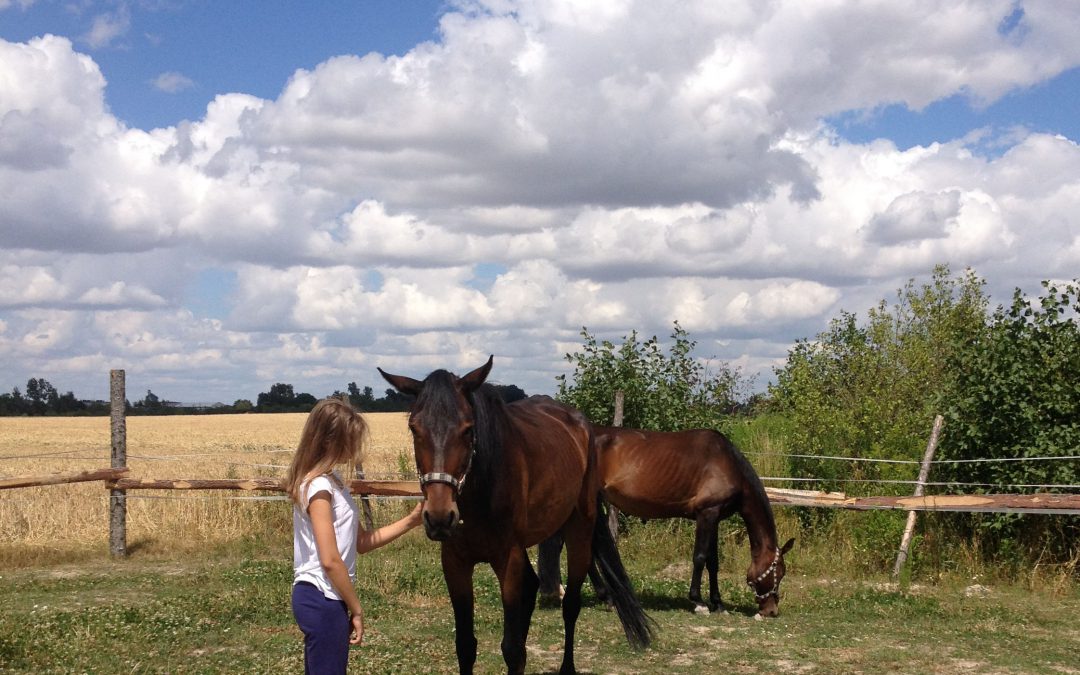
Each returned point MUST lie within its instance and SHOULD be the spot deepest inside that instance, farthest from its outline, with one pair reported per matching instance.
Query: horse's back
(652, 474)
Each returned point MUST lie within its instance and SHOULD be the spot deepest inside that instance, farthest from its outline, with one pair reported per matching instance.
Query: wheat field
(203, 446)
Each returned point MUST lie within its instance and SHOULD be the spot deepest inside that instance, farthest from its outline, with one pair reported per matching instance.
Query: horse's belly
(649, 508)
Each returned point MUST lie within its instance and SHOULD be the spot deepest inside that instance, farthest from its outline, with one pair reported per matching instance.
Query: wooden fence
(117, 481)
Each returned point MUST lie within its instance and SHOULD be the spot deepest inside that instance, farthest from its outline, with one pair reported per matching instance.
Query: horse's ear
(787, 547)
(473, 380)
(406, 385)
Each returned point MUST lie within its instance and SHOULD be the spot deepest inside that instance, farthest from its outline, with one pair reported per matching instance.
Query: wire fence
(392, 475)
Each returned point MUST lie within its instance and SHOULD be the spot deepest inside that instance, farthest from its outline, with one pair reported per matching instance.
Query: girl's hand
(357, 636)
(416, 517)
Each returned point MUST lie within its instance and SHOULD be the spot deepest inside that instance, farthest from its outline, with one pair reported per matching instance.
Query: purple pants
(326, 628)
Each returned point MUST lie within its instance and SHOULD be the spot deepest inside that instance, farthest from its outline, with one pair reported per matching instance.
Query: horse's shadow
(650, 602)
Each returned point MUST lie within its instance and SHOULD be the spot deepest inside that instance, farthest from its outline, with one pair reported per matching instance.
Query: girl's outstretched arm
(369, 541)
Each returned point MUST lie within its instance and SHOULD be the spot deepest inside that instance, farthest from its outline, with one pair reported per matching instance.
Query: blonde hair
(333, 435)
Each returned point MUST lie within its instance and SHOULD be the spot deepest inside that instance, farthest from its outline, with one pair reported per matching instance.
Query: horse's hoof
(700, 609)
(549, 601)
(758, 617)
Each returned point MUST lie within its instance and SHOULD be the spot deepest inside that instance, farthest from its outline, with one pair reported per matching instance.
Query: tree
(361, 400)
(871, 390)
(282, 398)
(1016, 393)
(280, 395)
(41, 396)
(660, 392)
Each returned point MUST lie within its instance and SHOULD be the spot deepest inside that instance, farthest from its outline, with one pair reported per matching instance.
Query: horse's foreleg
(712, 563)
(703, 537)
(459, 582)
(518, 589)
(530, 584)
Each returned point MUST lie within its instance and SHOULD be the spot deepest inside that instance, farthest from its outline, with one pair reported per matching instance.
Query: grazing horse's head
(764, 578)
(441, 423)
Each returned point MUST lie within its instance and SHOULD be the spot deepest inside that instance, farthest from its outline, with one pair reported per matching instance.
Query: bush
(1016, 393)
(660, 392)
(870, 391)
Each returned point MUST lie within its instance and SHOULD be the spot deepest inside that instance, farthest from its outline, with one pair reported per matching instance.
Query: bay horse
(498, 478)
(699, 475)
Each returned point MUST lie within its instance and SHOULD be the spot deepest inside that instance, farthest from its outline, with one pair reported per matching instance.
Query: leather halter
(771, 569)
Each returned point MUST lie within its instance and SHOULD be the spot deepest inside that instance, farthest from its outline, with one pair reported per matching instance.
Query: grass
(227, 610)
(206, 586)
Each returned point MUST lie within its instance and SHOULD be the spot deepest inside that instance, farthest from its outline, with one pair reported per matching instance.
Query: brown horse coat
(697, 474)
(497, 479)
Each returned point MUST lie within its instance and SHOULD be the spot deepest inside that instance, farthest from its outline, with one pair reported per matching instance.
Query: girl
(327, 536)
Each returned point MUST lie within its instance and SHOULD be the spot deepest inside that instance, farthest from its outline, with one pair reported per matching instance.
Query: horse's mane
(489, 418)
(755, 487)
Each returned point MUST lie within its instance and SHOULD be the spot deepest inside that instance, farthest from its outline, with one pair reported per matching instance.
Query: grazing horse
(498, 478)
(698, 475)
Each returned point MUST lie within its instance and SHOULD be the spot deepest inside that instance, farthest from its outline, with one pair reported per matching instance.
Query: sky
(217, 197)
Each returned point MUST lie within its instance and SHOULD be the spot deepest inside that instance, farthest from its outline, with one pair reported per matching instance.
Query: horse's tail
(636, 624)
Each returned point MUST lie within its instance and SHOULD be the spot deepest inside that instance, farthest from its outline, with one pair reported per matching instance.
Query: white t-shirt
(306, 565)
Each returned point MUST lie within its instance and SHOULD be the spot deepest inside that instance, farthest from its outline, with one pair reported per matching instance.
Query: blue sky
(1051, 107)
(220, 196)
(241, 46)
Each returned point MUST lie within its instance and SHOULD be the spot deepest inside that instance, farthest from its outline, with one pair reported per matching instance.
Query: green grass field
(226, 609)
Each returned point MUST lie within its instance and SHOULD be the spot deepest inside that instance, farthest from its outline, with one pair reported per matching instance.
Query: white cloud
(545, 165)
(172, 82)
(107, 27)
(21, 4)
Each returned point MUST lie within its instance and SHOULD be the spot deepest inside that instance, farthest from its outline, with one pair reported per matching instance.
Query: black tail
(636, 624)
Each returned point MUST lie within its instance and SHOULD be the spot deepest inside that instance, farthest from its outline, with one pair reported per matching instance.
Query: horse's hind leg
(704, 541)
(530, 583)
(578, 536)
(459, 582)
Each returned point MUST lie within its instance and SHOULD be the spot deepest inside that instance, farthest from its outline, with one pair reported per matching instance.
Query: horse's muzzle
(769, 609)
(439, 526)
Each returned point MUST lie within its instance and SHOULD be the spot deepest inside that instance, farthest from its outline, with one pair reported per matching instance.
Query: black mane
(489, 420)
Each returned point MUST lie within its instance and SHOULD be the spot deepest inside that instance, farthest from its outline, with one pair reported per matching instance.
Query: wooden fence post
(118, 432)
(924, 473)
(365, 503)
(613, 513)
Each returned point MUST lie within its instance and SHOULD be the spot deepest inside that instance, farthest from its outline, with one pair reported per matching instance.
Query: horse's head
(441, 423)
(764, 577)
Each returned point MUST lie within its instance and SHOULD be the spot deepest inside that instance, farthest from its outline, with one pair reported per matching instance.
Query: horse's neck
(761, 529)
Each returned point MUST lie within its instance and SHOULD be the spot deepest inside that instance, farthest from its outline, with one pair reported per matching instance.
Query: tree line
(42, 398)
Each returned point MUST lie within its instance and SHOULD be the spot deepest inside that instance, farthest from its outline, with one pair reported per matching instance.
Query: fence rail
(1047, 504)
(1044, 503)
(117, 481)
